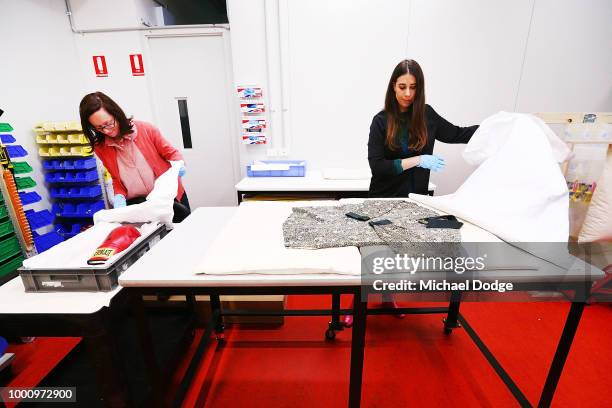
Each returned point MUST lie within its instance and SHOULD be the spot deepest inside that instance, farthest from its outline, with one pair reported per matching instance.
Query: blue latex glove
(431, 162)
(119, 201)
(182, 171)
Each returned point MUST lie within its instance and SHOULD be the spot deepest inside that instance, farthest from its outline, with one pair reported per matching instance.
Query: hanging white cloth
(158, 206)
(518, 191)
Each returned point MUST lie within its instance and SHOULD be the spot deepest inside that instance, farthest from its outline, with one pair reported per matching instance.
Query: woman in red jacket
(134, 152)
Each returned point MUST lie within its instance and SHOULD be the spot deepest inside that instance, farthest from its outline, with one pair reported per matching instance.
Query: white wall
(341, 56)
(96, 14)
(478, 57)
(471, 54)
(568, 64)
(146, 11)
(91, 15)
(37, 81)
(248, 34)
(130, 92)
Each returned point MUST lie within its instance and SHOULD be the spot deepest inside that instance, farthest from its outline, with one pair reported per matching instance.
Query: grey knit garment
(328, 226)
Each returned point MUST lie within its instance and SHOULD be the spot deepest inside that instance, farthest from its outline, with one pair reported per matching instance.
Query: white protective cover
(597, 225)
(74, 253)
(518, 191)
(157, 208)
(252, 242)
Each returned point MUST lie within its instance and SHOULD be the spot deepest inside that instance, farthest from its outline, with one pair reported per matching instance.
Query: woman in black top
(402, 138)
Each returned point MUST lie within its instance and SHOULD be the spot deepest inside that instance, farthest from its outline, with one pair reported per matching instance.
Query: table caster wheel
(330, 334)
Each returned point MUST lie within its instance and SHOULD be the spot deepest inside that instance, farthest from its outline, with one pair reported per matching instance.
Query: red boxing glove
(119, 239)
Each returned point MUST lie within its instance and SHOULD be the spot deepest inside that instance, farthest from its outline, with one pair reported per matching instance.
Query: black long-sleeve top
(388, 177)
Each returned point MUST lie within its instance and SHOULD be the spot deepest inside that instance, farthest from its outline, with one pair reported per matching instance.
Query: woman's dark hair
(416, 127)
(93, 102)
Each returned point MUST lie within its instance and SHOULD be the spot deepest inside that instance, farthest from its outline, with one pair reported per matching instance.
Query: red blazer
(156, 150)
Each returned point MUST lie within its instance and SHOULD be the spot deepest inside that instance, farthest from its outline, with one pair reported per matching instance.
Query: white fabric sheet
(518, 191)
(157, 208)
(252, 243)
(598, 222)
(74, 253)
(497, 130)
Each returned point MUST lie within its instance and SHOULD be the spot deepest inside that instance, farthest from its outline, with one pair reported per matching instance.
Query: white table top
(15, 300)
(312, 181)
(172, 262)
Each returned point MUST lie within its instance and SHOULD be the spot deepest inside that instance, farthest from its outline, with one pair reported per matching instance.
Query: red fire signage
(136, 63)
(99, 62)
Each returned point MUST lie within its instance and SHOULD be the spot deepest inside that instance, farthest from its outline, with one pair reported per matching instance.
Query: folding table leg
(146, 342)
(357, 350)
(451, 321)
(215, 306)
(110, 372)
(335, 324)
(563, 348)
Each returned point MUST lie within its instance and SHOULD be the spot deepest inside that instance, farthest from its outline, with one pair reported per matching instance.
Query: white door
(190, 84)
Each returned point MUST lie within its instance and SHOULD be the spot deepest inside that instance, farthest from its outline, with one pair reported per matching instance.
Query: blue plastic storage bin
(70, 164)
(72, 176)
(29, 198)
(68, 231)
(76, 192)
(39, 219)
(291, 168)
(77, 210)
(85, 164)
(46, 241)
(51, 164)
(16, 151)
(6, 138)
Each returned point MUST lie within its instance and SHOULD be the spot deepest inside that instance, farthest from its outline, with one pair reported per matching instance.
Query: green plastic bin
(6, 227)
(9, 248)
(24, 182)
(22, 167)
(5, 127)
(11, 265)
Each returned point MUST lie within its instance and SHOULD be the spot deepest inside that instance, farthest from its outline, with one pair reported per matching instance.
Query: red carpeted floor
(33, 361)
(409, 362)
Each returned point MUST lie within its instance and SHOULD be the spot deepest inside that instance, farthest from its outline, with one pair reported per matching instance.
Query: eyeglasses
(107, 125)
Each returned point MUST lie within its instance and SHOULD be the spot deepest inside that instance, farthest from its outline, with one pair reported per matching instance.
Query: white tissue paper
(74, 253)
(158, 206)
(518, 192)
